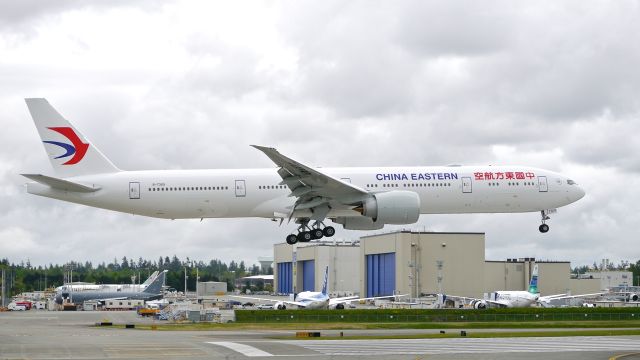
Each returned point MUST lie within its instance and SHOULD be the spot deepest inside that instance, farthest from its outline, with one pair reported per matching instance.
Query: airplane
(152, 292)
(315, 299)
(358, 198)
(82, 286)
(516, 298)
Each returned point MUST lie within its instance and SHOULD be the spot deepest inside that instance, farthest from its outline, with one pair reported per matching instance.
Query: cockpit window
(571, 182)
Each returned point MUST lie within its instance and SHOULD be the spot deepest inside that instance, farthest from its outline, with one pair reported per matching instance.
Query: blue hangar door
(285, 278)
(308, 275)
(381, 274)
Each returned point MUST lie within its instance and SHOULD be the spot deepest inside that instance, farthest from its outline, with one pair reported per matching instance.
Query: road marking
(243, 349)
(470, 345)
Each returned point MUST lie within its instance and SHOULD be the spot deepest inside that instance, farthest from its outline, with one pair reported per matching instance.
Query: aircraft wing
(289, 302)
(314, 189)
(565, 296)
(348, 299)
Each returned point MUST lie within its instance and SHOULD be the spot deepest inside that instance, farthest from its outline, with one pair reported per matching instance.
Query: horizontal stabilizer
(60, 184)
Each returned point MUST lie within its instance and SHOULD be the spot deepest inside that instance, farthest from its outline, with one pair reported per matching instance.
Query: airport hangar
(417, 264)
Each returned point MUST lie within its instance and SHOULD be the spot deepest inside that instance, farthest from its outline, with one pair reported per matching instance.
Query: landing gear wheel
(292, 239)
(543, 228)
(317, 233)
(329, 231)
(305, 236)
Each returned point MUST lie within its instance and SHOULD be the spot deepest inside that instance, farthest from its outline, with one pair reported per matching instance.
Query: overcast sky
(179, 85)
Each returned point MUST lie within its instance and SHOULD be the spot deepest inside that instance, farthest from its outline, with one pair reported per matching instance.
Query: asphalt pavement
(73, 335)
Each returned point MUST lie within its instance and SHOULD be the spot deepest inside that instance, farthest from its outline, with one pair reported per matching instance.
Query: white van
(15, 307)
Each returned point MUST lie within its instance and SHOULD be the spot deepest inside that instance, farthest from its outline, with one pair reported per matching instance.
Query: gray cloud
(331, 84)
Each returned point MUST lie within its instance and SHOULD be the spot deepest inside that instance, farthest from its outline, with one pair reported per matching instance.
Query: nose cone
(579, 193)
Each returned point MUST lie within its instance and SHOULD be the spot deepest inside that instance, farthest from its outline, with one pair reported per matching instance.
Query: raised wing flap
(296, 172)
(313, 189)
(61, 184)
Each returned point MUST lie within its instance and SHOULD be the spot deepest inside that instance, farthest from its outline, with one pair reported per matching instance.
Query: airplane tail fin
(70, 153)
(156, 285)
(150, 279)
(324, 282)
(533, 284)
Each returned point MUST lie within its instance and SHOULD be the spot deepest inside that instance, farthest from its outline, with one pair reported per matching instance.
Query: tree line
(23, 277)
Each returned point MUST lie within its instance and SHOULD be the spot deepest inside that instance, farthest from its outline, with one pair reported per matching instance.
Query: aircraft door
(134, 190)
(542, 184)
(241, 190)
(466, 185)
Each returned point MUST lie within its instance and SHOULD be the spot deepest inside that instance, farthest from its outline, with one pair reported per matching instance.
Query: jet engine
(358, 223)
(391, 207)
(280, 306)
(632, 297)
(339, 306)
(479, 304)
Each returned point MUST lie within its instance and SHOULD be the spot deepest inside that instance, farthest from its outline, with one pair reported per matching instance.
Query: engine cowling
(358, 223)
(633, 297)
(479, 304)
(339, 306)
(393, 207)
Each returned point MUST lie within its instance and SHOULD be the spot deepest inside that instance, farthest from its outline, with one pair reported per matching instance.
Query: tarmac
(73, 335)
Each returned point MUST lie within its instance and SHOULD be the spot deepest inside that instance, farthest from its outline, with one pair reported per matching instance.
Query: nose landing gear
(305, 233)
(545, 216)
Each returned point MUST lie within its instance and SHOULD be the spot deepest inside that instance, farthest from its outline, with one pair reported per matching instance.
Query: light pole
(185, 282)
(197, 281)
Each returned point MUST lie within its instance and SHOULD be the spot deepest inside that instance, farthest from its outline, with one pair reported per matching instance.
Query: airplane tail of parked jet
(70, 152)
(156, 285)
(533, 283)
(326, 279)
(150, 279)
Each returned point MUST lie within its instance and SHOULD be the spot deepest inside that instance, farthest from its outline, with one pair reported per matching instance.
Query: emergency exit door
(134, 190)
(542, 184)
(466, 185)
(241, 190)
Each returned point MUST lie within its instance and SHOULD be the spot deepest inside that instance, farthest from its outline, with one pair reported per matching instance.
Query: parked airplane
(356, 198)
(315, 299)
(82, 286)
(516, 299)
(152, 292)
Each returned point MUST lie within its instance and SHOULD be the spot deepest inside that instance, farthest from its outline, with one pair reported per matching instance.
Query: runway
(71, 335)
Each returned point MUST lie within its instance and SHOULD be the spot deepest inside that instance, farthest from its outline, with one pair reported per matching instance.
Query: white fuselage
(516, 299)
(313, 300)
(232, 193)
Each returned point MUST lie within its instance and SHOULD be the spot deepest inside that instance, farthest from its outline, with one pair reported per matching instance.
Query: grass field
(524, 322)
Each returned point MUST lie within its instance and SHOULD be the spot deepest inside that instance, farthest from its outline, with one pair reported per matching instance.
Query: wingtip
(263, 148)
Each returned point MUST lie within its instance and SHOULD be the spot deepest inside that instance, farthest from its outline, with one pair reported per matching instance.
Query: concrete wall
(417, 256)
(554, 277)
(584, 286)
(610, 279)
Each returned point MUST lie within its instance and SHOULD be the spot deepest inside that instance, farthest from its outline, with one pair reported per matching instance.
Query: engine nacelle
(393, 207)
(633, 297)
(339, 306)
(479, 304)
(358, 223)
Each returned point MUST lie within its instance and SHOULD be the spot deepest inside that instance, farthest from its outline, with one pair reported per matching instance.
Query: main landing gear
(545, 216)
(306, 233)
